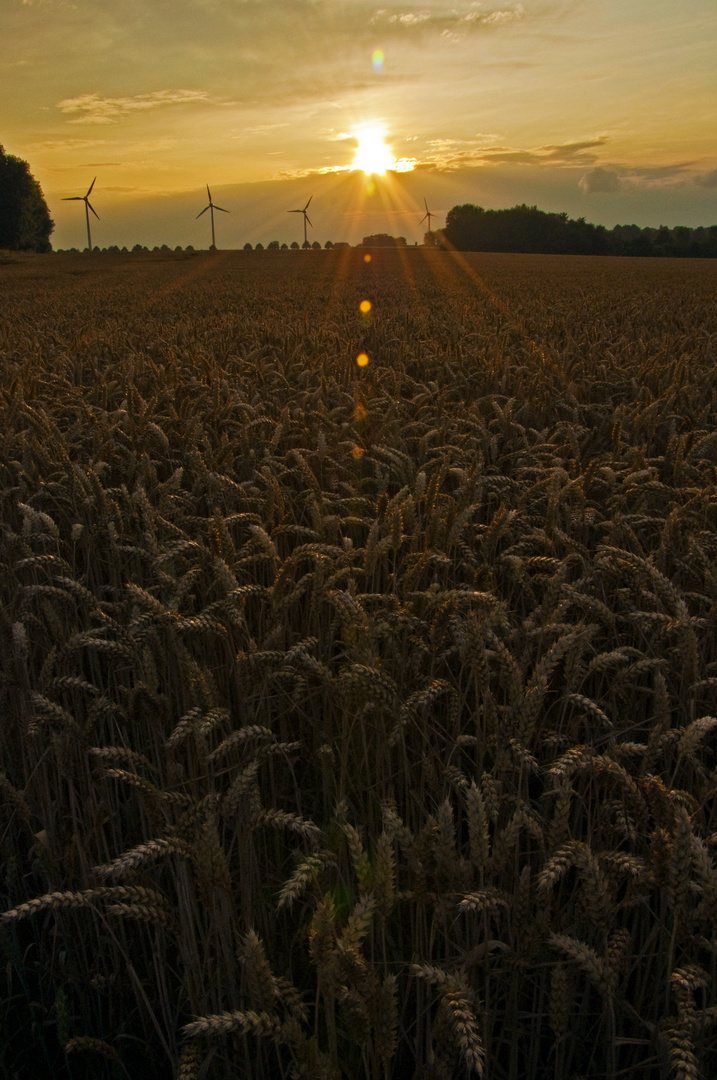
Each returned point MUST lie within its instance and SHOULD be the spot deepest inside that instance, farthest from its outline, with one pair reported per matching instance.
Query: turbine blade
(89, 191)
(222, 209)
(203, 212)
(308, 219)
(423, 219)
(294, 211)
(425, 204)
(91, 208)
(307, 205)
(74, 198)
(209, 194)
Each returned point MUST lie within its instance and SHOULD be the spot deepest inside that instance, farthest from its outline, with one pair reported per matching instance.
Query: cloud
(632, 178)
(450, 154)
(54, 146)
(664, 176)
(448, 23)
(410, 18)
(260, 129)
(600, 180)
(95, 109)
(707, 179)
(498, 18)
(570, 153)
(337, 136)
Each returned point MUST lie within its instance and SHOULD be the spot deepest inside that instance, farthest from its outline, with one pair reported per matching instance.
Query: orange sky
(606, 110)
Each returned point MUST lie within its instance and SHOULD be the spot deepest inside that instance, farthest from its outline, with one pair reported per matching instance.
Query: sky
(606, 109)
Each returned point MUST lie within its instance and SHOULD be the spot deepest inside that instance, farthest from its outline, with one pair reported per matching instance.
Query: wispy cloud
(95, 109)
(56, 146)
(410, 18)
(663, 176)
(449, 154)
(452, 23)
(613, 179)
(259, 129)
(708, 179)
(496, 18)
(337, 136)
(65, 5)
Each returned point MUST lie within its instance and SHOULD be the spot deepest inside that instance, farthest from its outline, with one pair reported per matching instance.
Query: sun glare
(372, 155)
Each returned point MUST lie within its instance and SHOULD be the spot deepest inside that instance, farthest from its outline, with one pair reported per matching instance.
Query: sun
(372, 155)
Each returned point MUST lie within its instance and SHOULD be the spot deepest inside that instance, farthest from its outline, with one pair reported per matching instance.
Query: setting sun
(372, 155)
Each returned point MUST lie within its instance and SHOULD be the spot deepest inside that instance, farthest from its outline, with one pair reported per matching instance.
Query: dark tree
(522, 229)
(527, 229)
(25, 222)
(383, 240)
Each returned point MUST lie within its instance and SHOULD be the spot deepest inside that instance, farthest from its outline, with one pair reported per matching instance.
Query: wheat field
(358, 722)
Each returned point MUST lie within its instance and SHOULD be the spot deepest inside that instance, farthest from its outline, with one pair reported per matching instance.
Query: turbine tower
(306, 217)
(88, 206)
(428, 215)
(211, 208)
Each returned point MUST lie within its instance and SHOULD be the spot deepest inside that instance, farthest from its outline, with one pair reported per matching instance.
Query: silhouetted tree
(294, 245)
(523, 229)
(383, 240)
(527, 229)
(25, 222)
(273, 245)
(247, 246)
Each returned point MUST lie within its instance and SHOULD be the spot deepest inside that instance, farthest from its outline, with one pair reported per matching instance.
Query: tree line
(526, 229)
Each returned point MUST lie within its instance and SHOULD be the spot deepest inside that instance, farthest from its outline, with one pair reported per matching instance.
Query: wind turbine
(428, 215)
(88, 206)
(211, 208)
(306, 217)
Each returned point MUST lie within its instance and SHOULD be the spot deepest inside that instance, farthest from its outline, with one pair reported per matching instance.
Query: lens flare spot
(360, 412)
(357, 451)
(362, 359)
(377, 60)
(365, 307)
(367, 258)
